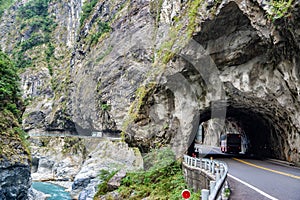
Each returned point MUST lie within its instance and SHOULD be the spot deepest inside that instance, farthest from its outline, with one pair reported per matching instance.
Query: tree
(10, 96)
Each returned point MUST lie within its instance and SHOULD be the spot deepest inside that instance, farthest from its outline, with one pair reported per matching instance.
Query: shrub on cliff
(163, 179)
(10, 97)
(4, 4)
(12, 138)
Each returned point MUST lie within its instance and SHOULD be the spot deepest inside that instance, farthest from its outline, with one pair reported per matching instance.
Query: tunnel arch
(233, 41)
(236, 47)
(260, 126)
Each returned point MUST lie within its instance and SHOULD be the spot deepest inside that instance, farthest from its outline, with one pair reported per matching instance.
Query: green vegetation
(181, 32)
(158, 158)
(35, 40)
(45, 141)
(280, 8)
(103, 27)
(87, 9)
(21, 60)
(155, 8)
(49, 54)
(105, 107)
(104, 54)
(100, 28)
(13, 140)
(73, 145)
(4, 4)
(11, 134)
(192, 14)
(37, 24)
(163, 180)
(227, 192)
(141, 95)
(105, 176)
(35, 8)
(158, 183)
(9, 91)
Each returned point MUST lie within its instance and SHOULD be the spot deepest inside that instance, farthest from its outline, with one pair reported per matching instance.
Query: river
(56, 192)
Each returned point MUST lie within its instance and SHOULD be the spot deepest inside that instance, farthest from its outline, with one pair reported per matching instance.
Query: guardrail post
(208, 165)
(195, 162)
(200, 163)
(204, 194)
(221, 171)
(185, 158)
(213, 168)
(212, 185)
(217, 175)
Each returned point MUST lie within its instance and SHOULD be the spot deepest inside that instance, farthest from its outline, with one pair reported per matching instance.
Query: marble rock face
(156, 72)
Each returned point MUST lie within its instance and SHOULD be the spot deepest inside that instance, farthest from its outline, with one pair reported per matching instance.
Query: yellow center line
(267, 169)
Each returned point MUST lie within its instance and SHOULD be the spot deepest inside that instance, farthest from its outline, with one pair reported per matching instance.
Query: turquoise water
(56, 192)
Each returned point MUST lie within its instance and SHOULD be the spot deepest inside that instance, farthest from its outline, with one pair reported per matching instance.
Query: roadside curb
(280, 162)
(226, 192)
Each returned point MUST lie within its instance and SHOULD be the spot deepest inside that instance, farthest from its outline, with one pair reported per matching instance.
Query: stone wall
(196, 178)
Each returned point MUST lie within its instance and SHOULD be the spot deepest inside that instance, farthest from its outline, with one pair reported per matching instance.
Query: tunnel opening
(261, 134)
(256, 129)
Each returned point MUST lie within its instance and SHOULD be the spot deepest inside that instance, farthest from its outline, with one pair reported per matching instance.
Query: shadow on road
(229, 155)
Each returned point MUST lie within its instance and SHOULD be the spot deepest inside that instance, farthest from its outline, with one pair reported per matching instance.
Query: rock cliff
(15, 178)
(155, 70)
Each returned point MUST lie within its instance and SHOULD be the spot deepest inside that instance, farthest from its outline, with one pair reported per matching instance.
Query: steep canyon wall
(154, 70)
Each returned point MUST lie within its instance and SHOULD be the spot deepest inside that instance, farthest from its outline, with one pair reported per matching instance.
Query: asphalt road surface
(257, 179)
(261, 179)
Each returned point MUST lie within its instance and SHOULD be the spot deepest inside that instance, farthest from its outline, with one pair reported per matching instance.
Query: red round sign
(186, 194)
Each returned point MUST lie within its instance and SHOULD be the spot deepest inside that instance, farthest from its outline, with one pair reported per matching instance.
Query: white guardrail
(216, 169)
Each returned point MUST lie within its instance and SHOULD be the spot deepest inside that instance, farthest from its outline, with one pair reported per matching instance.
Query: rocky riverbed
(75, 163)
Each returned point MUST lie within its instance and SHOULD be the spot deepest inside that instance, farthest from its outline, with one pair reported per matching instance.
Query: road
(261, 179)
(257, 179)
(103, 137)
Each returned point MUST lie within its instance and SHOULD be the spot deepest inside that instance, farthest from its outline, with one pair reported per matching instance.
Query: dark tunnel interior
(257, 129)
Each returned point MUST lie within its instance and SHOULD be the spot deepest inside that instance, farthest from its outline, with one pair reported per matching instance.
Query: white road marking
(252, 187)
